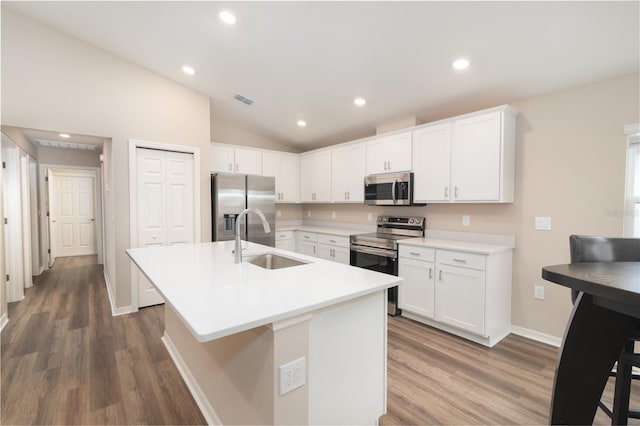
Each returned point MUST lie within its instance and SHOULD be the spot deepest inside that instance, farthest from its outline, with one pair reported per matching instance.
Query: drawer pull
(306, 237)
(332, 241)
(460, 260)
(413, 253)
(282, 235)
(440, 275)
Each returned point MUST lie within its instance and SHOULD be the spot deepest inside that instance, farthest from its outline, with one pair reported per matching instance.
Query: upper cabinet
(468, 160)
(347, 173)
(285, 168)
(315, 177)
(432, 163)
(392, 153)
(226, 158)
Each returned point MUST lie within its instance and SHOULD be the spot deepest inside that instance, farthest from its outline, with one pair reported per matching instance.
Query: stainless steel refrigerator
(232, 193)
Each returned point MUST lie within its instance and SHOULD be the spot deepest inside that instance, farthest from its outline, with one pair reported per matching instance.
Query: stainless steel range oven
(379, 251)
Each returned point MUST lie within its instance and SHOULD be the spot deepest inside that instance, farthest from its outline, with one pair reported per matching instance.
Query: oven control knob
(411, 221)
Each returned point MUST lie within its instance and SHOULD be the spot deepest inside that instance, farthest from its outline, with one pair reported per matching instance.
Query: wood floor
(66, 360)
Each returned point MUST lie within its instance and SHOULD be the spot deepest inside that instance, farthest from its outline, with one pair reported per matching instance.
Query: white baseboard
(115, 311)
(537, 336)
(196, 391)
(4, 320)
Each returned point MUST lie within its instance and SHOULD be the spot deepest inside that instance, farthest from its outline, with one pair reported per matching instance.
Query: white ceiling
(309, 60)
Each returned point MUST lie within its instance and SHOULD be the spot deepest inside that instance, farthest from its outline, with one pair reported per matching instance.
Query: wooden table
(605, 315)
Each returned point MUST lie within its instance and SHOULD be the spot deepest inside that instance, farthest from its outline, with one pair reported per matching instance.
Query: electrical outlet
(369, 216)
(278, 213)
(538, 292)
(466, 220)
(333, 215)
(308, 213)
(543, 223)
(292, 375)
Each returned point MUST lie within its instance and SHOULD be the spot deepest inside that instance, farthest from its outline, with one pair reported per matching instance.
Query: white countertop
(216, 297)
(321, 230)
(468, 246)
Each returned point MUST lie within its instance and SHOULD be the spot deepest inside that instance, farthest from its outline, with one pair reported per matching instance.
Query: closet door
(165, 206)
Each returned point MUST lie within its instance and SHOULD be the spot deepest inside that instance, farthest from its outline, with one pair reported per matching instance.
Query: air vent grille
(243, 99)
(60, 144)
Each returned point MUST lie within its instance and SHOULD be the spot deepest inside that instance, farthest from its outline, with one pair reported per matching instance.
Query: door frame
(133, 197)
(45, 243)
(12, 235)
(25, 202)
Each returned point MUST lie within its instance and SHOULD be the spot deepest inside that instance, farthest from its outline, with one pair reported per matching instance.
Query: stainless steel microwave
(389, 189)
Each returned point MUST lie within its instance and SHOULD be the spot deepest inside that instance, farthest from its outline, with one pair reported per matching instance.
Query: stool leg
(623, 387)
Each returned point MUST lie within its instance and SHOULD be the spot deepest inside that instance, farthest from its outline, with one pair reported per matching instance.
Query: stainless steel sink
(274, 261)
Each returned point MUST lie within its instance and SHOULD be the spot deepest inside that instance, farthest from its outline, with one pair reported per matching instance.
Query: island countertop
(216, 297)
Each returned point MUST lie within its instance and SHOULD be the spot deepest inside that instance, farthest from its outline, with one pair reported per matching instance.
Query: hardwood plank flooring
(436, 378)
(66, 360)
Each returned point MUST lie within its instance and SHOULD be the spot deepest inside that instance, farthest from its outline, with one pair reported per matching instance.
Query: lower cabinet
(285, 241)
(333, 247)
(325, 246)
(464, 293)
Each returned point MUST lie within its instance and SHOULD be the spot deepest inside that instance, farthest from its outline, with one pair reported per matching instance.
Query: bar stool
(586, 248)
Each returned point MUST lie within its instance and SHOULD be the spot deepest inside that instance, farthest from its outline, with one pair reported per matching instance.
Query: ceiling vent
(60, 144)
(243, 99)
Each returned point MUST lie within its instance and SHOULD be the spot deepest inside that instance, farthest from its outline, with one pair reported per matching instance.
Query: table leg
(592, 343)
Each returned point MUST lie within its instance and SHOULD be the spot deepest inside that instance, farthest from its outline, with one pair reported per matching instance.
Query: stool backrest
(587, 248)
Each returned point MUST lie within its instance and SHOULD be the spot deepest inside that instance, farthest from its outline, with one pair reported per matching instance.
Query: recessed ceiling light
(64, 135)
(460, 64)
(302, 123)
(188, 70)
(359, 101)
(227, 17)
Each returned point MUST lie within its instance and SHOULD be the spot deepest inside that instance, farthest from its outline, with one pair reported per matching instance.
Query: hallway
(66, 360)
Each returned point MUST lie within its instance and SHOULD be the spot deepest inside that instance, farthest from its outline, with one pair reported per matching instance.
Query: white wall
(51, 81)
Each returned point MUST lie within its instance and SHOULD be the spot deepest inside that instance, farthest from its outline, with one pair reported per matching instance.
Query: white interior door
(27, 275)
(165, 206)
(72, 213)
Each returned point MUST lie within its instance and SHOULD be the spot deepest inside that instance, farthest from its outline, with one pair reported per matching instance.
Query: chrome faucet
(245, 212)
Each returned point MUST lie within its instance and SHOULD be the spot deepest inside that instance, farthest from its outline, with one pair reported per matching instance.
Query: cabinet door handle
(237, 167)
(440, 275)
(345, 196)
(314, 249)
(413, 253)
(389, 163)
(306, 237)
(446, 191)
(230, 167)
(430, 272)
(348, 195)
(333, 253)
(455, 191)
(460, 260)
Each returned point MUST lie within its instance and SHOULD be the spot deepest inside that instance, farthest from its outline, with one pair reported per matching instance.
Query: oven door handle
(377, 252)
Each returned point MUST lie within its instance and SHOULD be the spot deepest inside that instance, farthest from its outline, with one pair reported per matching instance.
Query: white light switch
(466, 220)
(543, 223)
(333, 215)
(538, 292)
(369, 216)
(278, 213)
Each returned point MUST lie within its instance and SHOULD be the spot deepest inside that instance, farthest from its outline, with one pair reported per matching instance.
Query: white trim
(537, 336)
(112, 301)
(4, 320)
(207, 410)
(631, 222)
(133, 196)
(290, 322)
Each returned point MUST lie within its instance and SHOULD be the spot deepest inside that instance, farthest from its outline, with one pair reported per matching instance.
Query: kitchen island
(230, 328)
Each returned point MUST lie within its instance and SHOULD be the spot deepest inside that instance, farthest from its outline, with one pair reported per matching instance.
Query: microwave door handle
(393, 191)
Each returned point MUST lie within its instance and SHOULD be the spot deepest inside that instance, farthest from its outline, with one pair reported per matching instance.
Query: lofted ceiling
(309, 60)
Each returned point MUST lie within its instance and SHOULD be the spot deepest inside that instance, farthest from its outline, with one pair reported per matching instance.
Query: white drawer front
(333, 240)
(284, 235)
(418, 253)
(462, 259)
(307, 236)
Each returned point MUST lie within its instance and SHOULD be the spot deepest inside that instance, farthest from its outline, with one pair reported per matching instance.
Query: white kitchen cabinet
(417, 268)
(347, 173)
(432, 163)
(464, 293)
(230, 159)
(315, 177)
(334, 248)
(483, 157)
(222, 158)
(285, 168)
(307, 243)
(387, 154)
(285, 240)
